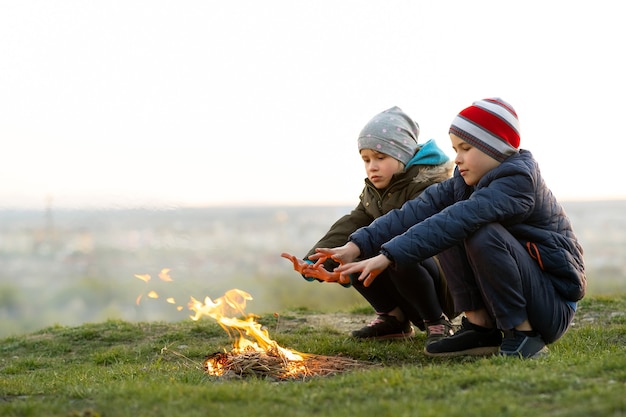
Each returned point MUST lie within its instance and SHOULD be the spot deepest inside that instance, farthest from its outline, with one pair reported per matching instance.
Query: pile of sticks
(273, 364)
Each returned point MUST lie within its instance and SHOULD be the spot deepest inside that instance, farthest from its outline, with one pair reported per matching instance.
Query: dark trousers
(418, 291)
(492, 270)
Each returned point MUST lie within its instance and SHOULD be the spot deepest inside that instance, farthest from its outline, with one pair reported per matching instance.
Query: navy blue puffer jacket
(512, 194)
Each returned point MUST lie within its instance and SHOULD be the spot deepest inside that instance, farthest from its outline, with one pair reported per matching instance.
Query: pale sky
(186, 103)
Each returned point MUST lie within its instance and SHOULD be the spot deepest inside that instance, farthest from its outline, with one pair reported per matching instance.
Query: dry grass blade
(187, 362)
(272, 364)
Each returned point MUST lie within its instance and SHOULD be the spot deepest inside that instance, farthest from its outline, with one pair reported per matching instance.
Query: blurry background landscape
(124, 112)
(67, 267)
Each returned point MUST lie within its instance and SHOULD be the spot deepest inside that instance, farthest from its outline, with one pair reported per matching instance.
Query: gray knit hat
(391, 132)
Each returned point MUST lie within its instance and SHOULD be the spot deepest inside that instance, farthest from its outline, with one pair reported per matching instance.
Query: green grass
(117, 368)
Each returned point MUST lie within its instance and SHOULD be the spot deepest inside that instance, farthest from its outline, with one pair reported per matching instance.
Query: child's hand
(319, 272)
(369, 268)
(316, 271)
(298, 264)
(342, 254)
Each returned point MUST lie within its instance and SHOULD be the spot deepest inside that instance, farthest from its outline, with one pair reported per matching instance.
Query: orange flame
(143, 277)
(234, 302)
(164, 275)
(224, 310)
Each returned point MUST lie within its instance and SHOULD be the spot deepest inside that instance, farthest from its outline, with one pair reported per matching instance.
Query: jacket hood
(428, 154)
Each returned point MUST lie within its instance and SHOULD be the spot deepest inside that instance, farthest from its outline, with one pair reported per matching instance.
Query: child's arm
(396, 222)
(339, 232)
(507, 198)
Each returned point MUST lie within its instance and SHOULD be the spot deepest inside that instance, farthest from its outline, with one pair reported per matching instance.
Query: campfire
(254, 353)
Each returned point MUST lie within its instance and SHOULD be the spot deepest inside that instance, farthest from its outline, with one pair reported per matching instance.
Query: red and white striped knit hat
(490, 125)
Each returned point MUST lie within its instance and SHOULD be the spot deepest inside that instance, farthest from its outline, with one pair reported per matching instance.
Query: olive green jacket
(374, 203)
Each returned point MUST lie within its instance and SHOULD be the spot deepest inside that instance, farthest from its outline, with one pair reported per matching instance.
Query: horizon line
(171, 206)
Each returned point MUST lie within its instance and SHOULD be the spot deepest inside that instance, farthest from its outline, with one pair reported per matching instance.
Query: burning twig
(271, 364)
(263, 356)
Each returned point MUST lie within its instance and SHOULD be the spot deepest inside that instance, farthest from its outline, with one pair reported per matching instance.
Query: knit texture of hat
(391, 132)
(490, 125)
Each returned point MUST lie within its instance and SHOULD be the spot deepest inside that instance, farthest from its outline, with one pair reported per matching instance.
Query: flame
(143, 277)
(233, 303)
(164, 275)
(225, 310)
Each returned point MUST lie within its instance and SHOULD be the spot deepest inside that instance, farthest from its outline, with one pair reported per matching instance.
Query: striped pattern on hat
(490, 125)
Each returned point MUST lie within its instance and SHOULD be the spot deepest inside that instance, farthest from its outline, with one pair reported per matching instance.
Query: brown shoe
(437, 330)
(470, 339)
(385, 327)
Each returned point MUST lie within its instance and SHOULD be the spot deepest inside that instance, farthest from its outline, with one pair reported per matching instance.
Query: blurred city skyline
(68, 267)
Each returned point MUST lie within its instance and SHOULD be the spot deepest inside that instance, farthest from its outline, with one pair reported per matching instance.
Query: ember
(163, 276)
(272, 365)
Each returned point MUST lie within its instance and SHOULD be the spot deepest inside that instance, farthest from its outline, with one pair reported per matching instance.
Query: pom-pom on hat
(391, 132)
(490, 125)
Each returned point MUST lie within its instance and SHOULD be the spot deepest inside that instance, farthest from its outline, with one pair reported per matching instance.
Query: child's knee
(483, 240)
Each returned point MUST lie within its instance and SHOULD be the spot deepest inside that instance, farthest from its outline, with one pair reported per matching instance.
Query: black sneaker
(437, 330)
(470, 339)
(521, 345)
(385, 327)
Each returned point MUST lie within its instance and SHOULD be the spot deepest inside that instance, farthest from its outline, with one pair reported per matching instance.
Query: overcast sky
(185, 103)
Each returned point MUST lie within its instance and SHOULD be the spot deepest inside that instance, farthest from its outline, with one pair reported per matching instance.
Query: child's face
(380, 167)
(472, 162)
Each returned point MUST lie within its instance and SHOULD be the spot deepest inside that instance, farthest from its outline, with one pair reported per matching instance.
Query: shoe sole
(544, 351)
(395, 336)
(480, 351)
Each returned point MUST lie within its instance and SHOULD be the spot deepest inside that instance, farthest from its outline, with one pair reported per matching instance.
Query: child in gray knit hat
(398, 169)
(391, 132)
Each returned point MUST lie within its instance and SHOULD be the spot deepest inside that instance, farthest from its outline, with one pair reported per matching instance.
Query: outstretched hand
(369, 268)
(322, 274)
(342, 254)
(316, 270)
(298, 264)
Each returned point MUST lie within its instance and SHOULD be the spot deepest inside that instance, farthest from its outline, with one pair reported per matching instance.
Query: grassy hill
(119, 368)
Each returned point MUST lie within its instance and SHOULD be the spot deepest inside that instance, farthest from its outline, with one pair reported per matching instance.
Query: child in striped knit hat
(512, 260)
